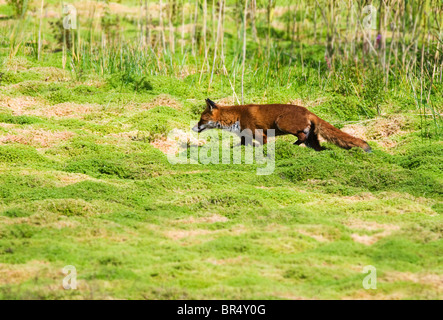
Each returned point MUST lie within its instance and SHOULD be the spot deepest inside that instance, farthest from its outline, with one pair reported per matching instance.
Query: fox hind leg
(310, 139)
(313, 142)
(304, 131)
(302, 138)
(301, 129)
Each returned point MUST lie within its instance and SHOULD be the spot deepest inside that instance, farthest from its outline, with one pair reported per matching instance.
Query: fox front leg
(247, 141)
(262, 139)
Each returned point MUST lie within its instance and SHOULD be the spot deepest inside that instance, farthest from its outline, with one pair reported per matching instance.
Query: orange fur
(283, 118)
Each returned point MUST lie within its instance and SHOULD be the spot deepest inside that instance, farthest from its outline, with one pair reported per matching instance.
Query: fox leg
(247, 137)
(302, 138)
(300, 129)
(264, 139)
(303, 130)
(312, 141)
(246, 141)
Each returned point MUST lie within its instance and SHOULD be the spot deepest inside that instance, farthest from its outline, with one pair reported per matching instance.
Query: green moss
(17, 213)
(99, 167)
(7, 118)
(18, 154)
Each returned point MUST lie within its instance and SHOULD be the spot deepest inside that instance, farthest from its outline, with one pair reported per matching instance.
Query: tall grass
(330, 41)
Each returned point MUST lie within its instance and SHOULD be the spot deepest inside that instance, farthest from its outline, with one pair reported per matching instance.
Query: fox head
(209, 119)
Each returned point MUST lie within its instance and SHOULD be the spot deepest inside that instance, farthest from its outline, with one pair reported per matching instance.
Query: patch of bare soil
(20, 105)
(44, 220)
(7, 125)
(366, 196)
(67, 110)
(18, 273)
(209, 219)
(65, 179)
(384, 230)
(290, 296)
(356, 130)
(433, 280)
(162, 100)
(236, 260)
(61, 224)
(180, 234)
(391, 195)
(165, 145)
(129, 135)
(386, 127)
(381, 130)
(319, 232)
(364, 239)
(176, 141)
(37, 138)
(36, 107)
(62, 179)
(369, 225)
(374, 295)
(317, 236)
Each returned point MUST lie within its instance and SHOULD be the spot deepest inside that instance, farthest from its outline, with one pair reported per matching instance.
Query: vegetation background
(84, 179)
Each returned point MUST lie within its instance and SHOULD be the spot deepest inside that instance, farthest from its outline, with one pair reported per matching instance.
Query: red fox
(283, 118)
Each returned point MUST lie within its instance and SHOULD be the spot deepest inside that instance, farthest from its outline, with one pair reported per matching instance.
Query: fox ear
(211, 104)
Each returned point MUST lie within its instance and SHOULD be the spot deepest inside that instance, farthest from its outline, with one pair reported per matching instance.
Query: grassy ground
(84, 182)
(82, 185)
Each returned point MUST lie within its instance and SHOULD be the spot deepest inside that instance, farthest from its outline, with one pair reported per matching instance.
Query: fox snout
(198, 128)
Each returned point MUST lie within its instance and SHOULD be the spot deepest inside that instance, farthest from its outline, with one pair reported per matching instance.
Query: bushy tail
(336, 136)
